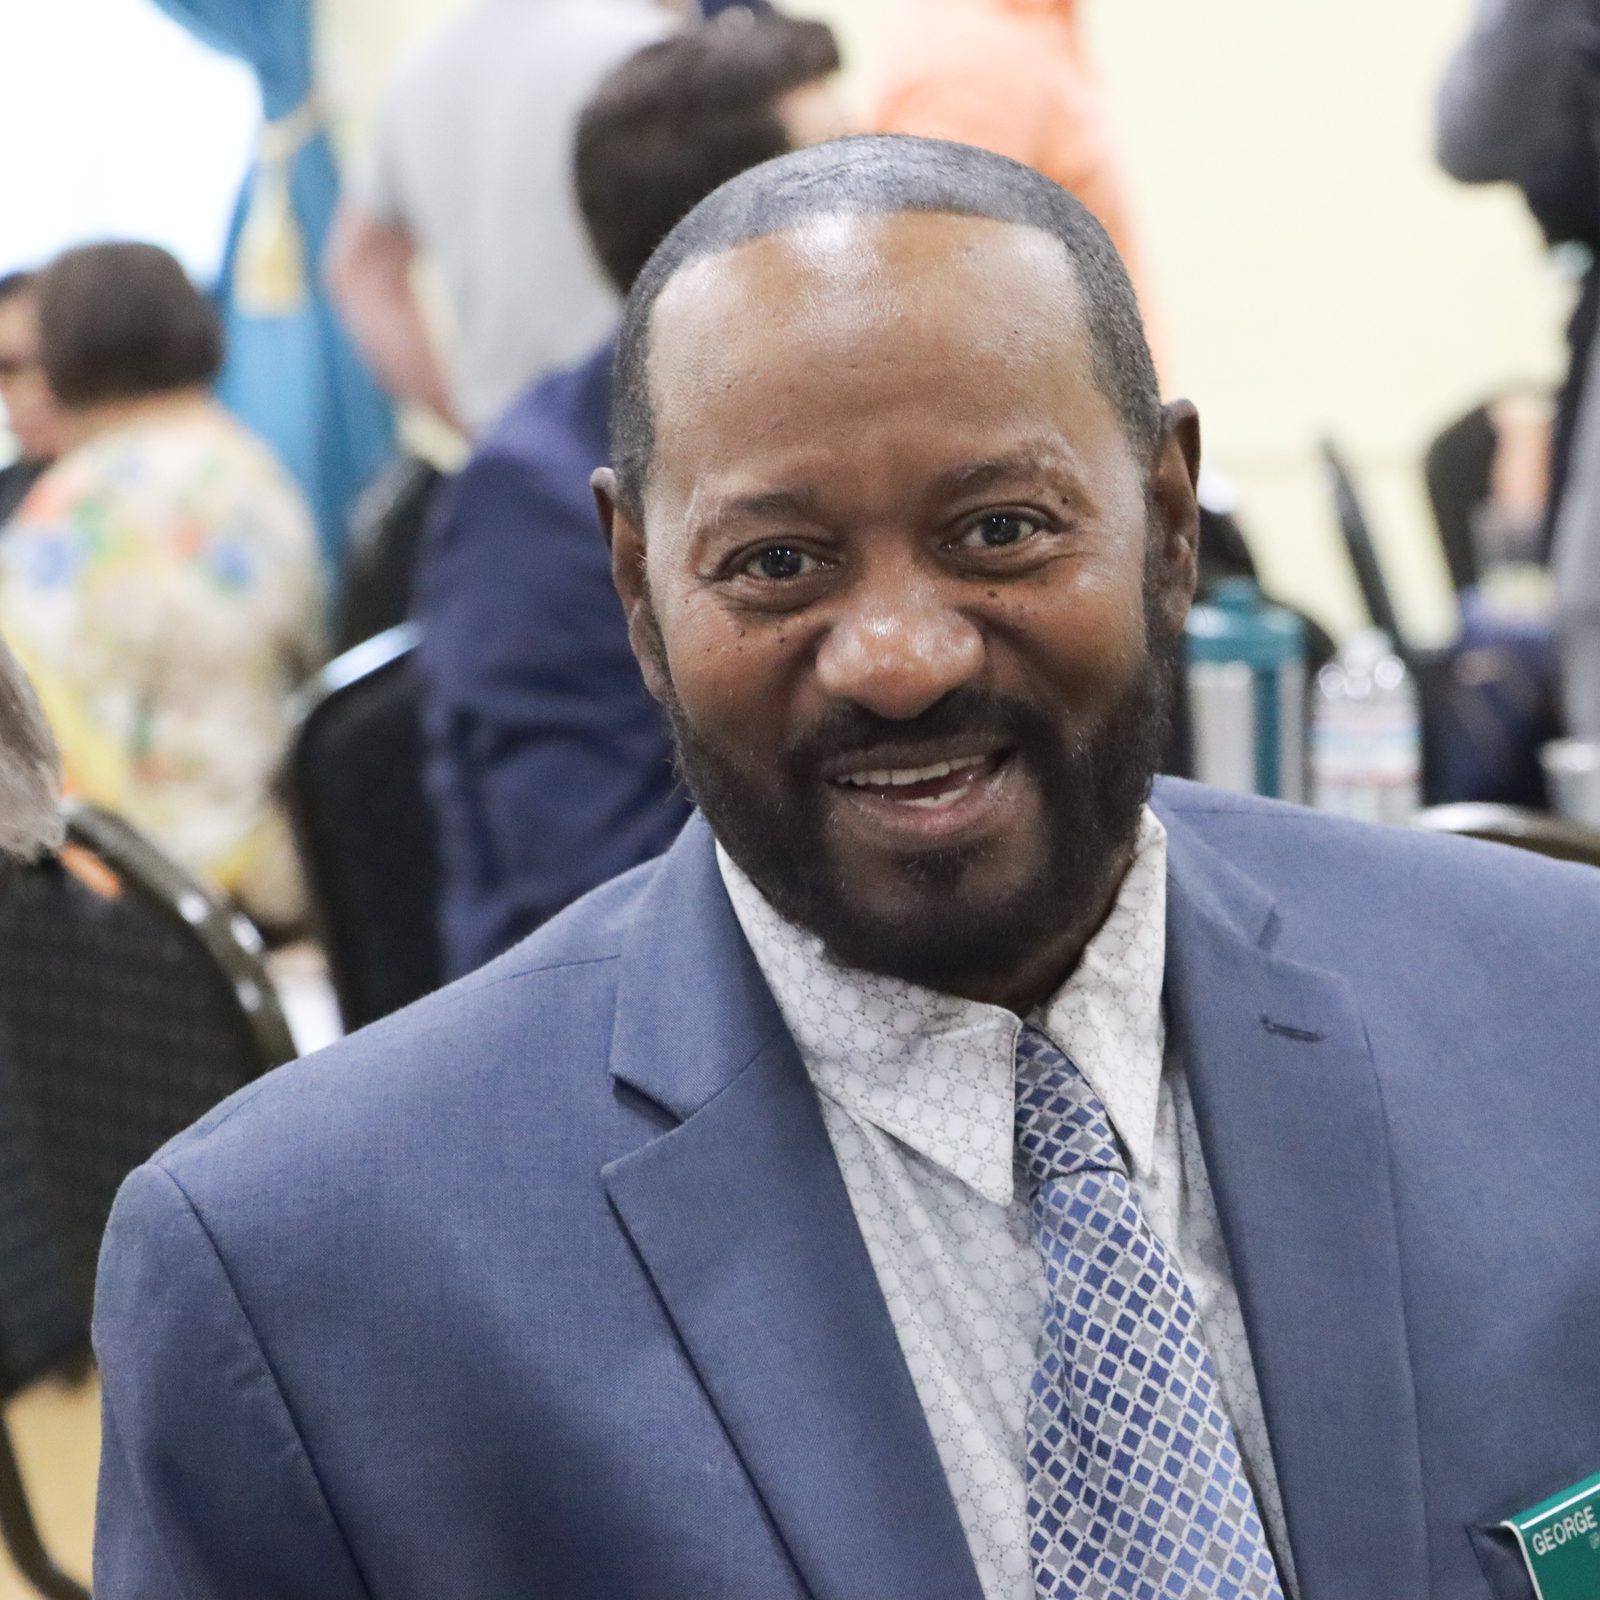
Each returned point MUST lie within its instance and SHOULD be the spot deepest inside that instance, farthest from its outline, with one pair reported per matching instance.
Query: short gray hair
(30, 769)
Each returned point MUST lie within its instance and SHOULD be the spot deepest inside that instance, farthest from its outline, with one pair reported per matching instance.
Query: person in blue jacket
(549, 766)
(961, 1168)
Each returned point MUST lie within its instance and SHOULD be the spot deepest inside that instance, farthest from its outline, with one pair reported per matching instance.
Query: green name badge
(1560, 1539)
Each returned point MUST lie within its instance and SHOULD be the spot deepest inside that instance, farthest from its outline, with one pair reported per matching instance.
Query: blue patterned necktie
(1135, 1486)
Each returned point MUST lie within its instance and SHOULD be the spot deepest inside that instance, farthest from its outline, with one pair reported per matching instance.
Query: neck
(83, 423)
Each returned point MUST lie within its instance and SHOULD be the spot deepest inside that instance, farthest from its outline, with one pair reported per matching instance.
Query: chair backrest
(364, 828)
(131, 1002)
(1528, 830)
(380, 556)
(1457, 469)
(1357, 535)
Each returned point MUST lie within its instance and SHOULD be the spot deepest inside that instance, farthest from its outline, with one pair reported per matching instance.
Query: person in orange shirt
(1013, 76)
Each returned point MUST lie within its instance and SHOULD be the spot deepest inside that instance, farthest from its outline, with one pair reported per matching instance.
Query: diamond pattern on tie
(1136, 1490)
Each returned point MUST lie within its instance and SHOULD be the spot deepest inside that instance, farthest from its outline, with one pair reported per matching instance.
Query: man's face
(905, 588)
(30, 408)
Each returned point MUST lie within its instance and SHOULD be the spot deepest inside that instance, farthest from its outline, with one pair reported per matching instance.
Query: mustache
(847, 730)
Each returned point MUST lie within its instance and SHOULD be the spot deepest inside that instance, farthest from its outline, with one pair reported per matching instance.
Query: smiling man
(957, 1170)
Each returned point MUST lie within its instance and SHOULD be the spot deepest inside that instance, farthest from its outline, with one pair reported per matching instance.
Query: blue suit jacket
(550, 1285)
(549, 766)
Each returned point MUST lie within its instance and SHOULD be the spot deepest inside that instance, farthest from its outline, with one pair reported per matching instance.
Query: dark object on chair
(1357, 535)
(1487, 703)
(131, 1002)
(1528, 830)
(1458, 466)
(364, 828)
(386, 530)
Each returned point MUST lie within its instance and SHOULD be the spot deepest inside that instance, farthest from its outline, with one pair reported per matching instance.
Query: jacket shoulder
(535, 1023)
(1335, 872)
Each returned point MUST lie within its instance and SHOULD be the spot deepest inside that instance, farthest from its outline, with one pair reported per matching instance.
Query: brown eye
(998, 530)
(778, 562)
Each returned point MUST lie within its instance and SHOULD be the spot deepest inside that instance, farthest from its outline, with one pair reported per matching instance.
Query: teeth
(898, 777)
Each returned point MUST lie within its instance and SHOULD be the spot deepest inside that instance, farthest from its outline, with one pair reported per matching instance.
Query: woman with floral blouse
(161, 581)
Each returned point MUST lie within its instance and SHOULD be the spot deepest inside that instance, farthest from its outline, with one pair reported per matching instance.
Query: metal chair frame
(229, 937)
(234, 945)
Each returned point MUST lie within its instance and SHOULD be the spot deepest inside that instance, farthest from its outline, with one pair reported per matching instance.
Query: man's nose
(899, 649)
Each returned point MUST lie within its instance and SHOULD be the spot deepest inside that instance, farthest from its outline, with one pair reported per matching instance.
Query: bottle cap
(1234, 623)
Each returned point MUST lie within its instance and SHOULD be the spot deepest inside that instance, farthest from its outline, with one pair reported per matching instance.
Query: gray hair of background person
(121, 320)
(30, 769)
(679, 118)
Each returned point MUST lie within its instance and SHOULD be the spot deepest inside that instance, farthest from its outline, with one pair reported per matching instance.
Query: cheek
(1085, 631)
(733, 676)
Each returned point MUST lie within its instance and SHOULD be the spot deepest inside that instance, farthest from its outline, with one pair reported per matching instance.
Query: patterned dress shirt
(916, 1090)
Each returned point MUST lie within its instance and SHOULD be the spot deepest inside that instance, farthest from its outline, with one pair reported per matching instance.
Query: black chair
(1357, 535)
(381, 552)
(1528, 830)
(131, 1002)
(1457, 467)
(364, 829)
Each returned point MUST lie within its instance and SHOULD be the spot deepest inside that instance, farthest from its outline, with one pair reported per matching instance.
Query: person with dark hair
(472, 171)
(964, 1167)
(119, 323)
(30, 409)
(549, 767)
(161, 580)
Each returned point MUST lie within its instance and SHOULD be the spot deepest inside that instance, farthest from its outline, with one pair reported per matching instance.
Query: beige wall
(1318, 273)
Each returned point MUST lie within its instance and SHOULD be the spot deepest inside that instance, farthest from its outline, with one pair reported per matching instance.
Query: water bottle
(1366, 741)
(1246, 665)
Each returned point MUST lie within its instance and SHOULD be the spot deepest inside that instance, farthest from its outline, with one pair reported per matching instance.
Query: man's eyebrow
(765, 505)
(974, 476)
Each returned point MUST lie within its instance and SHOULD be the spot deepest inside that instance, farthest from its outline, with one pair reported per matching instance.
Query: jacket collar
(741, 1218)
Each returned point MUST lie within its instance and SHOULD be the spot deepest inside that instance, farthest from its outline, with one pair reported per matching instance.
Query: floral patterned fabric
(161, 585)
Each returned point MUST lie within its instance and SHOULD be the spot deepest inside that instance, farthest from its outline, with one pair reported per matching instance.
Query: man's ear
(1175, 511)
(625, 538)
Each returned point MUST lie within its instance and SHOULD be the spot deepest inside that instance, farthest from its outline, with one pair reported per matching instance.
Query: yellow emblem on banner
(269, 271)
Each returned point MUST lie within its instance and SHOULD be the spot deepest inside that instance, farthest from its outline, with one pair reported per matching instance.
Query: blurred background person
(30, 408)
(473, 166)
(30, 769)
(161, 581)
(549, 765)
(1013, 76)
(1517, 106)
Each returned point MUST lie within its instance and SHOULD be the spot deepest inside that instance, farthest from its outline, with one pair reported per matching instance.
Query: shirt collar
(935, 1071)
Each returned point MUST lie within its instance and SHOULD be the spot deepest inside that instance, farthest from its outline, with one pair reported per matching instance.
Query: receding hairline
(865, 221)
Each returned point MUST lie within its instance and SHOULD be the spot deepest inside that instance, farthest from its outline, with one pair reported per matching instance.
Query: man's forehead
(854, 256)
(845, 288)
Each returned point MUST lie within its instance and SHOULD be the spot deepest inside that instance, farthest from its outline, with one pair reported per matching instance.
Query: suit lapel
(741, 1218)
(1291, 1119)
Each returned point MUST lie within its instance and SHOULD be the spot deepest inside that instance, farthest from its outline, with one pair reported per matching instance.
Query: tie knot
(1061, 1127)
